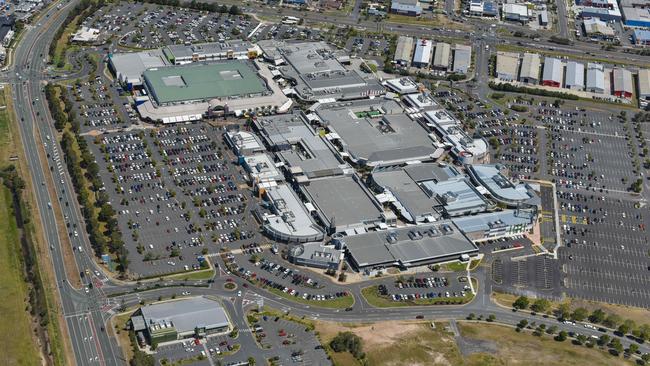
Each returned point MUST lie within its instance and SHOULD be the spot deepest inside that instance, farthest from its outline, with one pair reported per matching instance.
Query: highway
(86, 312)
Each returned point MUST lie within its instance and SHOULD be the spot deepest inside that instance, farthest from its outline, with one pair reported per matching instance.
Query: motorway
(86, 313)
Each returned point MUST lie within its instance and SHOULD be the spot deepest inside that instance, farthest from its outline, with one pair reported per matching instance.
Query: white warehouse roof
(575, 75)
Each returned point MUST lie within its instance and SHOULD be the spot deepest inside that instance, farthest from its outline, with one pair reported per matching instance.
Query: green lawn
(372, 296)
(455, 266)
(194, 275)
(17, 344)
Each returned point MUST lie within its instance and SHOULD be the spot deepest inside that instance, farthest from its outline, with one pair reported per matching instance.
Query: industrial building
(493, 177)
(622, 83)
(313, 71)
(420, 101)
(441, 56)
(426, 192)
(605, 10)
(404, 51)
(464, 149)
(402, 85)
(543, 18)
(375, 132)
(215, 51)
(343, 204)
(495, 225)
(462, 58)
(516, 12)
(423, 51)
(303, 152)
(406, 7)
(597, 29)
(407, 247)
(641, 37)
(637, 17)
(315, 255)
(595, 78)
(507, 66)
(194, 317)
(644, 87)
(290, 221)
(529, 73)
(553, 72)
(575, 75)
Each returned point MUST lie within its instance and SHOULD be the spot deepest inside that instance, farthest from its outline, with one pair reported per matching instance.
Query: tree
(603, 340)
(552, 329)
(563, 311)
(579, 314)
(634, 348)
(522, 323)
(612, 321)
(597, 316)
(251, 361)
(627, 326)
(347, 341)
(561, 337)
(522, 302)
(491, 318)
(581, 339)
(540, 305)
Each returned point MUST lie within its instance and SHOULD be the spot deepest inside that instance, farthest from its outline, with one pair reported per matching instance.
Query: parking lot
(288, 342)
(149, 26)
(98, 107)
(428, 285)
(179, 182)
(270, 271)
(219, 348)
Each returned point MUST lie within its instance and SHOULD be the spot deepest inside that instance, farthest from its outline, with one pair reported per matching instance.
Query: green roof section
(204, 81)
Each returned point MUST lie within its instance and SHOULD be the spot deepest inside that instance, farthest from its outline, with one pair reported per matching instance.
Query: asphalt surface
(86, 313)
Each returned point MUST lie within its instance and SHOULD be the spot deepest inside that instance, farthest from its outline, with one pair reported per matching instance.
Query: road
(86, 312)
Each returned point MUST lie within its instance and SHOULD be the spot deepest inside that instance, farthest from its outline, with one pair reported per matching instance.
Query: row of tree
(84, 173)
(507, 87)
(597, 316)
(197, 5)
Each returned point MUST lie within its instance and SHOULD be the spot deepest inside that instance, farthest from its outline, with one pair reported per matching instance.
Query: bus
(290, 20)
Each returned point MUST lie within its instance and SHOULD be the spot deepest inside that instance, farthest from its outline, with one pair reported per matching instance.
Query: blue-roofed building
(492, 178)
(637, 17)
(490, 9)
(494, 225)
(641, 37)
(295, 2)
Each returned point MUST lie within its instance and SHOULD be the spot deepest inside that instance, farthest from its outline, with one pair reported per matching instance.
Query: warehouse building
(406, 7)
(215, 51)
(476, 8)
(404, 51)
(543, 18)
(422, 56)
(622, 81)
(290, 221)
(314, 72)
(375, 132)
(407, 247)
(462, 58)
(595, 78)
(641, 37)
(304, 154)
(343, 204)
(315, 255)
(493, 177)
(529, 73)
(441, 56)
(637, 17)
(553, 72)
(507, 66)
(195, 317)
(644, 87)
(597, 29)
(575, 76)
(495, 225)
(516, 13)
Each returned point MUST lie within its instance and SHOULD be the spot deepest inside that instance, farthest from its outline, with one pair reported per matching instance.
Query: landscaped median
(374, 298)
